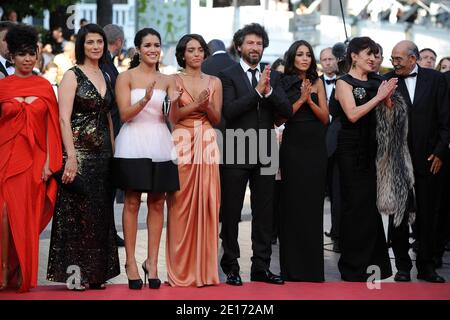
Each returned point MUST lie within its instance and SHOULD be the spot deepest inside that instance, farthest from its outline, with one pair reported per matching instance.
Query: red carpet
(249, 291)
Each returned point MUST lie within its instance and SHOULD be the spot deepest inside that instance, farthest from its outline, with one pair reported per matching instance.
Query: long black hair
(81, 38)
(289, 57)
(141, 34)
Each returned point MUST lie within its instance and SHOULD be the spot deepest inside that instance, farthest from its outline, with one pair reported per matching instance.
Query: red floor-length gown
(24, 130)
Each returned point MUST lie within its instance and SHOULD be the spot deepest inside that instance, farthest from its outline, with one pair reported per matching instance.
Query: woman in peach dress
(193, 215)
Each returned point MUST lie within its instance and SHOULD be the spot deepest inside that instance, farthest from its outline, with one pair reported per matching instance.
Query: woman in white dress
(144, 152)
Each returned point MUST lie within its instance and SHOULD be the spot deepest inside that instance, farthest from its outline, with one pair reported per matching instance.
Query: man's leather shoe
(431, 277)
(119, 241)
(336, 247)
(266, 276)
(437, 261)
(402, 276)
(234, 279)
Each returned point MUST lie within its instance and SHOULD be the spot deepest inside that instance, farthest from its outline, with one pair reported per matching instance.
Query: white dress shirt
(411, 84)
(10, 70)
(247, 69)
(329, 87)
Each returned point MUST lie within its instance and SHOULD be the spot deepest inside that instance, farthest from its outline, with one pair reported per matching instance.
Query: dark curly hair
(290, 68)
(181, 47)
(22, 39)
(140, 35)
(81, 38)
(253, 28)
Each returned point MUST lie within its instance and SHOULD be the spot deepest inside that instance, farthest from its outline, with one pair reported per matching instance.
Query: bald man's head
(404, 57)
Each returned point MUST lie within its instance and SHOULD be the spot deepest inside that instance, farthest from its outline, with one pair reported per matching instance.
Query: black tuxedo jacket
(428, 117)
(212, 66)
(335, 125)
(3, 70)
(244, 109)
(111, 70)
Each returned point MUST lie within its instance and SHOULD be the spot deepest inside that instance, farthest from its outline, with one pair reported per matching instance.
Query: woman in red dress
(30, 148)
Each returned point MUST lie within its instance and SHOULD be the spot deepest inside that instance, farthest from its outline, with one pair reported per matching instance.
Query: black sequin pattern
(83, 232)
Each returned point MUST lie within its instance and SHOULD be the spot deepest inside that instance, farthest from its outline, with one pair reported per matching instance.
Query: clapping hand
(175, 95)
(305, 95)
(202, 100)
(263, 86)
(387, 88)
(266, 78)
(148, 92)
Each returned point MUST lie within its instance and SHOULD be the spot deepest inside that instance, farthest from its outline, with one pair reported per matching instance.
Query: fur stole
(395, 178)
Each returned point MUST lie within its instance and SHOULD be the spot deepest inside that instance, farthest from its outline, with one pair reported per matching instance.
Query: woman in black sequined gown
(83, 233)
(303, 165)
(362, 240)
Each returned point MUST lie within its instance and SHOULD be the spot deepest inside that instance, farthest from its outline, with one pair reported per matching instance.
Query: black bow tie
(8, 64)
(411, 75)
(330, 81)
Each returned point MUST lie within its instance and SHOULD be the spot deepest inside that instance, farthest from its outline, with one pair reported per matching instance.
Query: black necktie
(330, 81)
(8, 64)
(254, 80)
(411, 75)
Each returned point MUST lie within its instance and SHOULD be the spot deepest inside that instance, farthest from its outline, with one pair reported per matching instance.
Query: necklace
(193, 76)
(95, 71)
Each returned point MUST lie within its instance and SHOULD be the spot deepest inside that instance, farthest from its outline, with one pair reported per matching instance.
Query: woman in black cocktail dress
(303, 166)
(83, 233)
(362, 240)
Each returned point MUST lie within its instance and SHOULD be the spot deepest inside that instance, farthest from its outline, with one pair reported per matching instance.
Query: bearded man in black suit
(252, 97)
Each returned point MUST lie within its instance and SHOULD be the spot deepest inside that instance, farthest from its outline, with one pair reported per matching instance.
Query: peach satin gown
(193, 212)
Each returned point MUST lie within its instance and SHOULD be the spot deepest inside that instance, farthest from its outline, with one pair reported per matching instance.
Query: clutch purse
(76, 186)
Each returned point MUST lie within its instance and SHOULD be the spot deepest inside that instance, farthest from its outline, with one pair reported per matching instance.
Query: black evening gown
(362, 239)
(83, 232)
(303, 165)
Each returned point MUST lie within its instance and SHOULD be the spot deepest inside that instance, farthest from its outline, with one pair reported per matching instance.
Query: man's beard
(252, 60)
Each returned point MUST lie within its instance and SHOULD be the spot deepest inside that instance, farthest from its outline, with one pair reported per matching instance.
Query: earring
(353, 64)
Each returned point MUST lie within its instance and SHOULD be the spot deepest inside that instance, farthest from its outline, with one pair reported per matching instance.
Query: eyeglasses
(396, 59)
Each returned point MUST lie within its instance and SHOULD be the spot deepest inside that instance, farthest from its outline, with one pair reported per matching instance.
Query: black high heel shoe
(152, 283)
(134, 284)
(97, 286)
